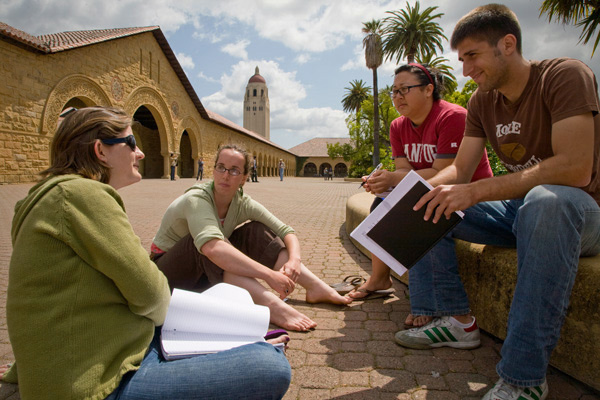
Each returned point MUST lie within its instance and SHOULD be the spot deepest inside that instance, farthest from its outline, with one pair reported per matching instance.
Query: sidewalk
(351, 354)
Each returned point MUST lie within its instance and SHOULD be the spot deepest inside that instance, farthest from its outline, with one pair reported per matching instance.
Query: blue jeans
(280, 174)
(551, 228)
(254, 371)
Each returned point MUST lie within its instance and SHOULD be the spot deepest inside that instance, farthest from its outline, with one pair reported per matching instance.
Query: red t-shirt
(439, 136)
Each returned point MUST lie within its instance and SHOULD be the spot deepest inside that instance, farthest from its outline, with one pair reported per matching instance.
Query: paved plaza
(351, 354)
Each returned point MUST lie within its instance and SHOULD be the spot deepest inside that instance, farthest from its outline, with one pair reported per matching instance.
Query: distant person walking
(200, 169)
(254, 169)
(281, 169)
(325, 173)
(173, 166)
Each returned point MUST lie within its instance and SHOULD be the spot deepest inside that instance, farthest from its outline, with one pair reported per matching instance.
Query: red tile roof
(23, 39)
(227, 123)
(70, 40)
(57, 42)
(317, 147)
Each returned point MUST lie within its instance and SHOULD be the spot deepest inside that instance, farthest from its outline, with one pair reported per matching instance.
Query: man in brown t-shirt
(542, 120)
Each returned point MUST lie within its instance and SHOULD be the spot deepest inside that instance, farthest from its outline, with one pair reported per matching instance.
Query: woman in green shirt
(85, 303)
(198, 245)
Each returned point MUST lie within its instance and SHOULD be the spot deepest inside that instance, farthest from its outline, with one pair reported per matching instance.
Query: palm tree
(439, 63)
(355, 95)
(409, 33)
(374, 57)
(584, 13)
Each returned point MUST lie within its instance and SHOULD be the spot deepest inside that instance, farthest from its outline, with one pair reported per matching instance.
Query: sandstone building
(131, 68)
(313, 155)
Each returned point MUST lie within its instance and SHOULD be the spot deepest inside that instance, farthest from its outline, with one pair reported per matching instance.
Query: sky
(308, 51)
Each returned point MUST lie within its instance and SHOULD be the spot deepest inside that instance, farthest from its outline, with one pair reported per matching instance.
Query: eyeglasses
(129, 140)
(232, 171)
(405, 89)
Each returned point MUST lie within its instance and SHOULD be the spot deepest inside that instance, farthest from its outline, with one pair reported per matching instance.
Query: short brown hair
(239, 150)
(72, 150)
(488, 23)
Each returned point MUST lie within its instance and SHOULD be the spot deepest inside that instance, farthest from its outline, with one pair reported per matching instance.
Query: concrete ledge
(489, 275)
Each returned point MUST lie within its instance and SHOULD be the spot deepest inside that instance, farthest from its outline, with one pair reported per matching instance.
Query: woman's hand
(281, 283)
(380, 181)
(292, 269)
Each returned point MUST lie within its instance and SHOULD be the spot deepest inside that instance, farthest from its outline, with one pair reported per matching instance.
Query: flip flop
(349, 283)
(375, 294)
(275, 334)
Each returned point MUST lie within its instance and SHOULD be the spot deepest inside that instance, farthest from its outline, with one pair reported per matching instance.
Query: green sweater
(195, 213)
(83, 297)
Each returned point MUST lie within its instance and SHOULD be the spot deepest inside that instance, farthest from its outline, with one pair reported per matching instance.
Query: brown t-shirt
(521, 132)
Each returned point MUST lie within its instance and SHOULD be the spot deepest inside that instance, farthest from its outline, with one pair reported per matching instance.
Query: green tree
(373, 58)
(462, 98)
(409, 33)
(360, 129)
(355, 95)
(583, 13)
(439, 63)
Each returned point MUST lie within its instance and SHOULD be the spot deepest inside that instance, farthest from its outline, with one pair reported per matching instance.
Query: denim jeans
(254, 371)
(551, 228)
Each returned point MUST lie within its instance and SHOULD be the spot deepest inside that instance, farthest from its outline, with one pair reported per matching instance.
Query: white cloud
(203, 76)
(312, 26)
(285, 95)
(237, 49)
(186, 61)
(302, 58)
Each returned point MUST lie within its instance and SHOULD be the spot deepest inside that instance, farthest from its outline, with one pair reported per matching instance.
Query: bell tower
(257, 115)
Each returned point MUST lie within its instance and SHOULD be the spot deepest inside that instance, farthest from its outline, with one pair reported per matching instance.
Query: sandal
(349, 283)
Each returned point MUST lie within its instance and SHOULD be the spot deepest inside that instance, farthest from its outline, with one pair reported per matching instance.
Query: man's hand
(445, 199)
(292, 269)
(281, 283)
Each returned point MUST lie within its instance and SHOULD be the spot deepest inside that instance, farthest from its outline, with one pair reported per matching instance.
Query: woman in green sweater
(84, 300)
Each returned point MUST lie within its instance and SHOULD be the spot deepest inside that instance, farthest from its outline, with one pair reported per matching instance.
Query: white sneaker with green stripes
(504, 391)
(440, 333)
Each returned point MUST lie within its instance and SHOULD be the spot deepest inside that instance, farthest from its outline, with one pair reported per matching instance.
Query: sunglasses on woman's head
(129, 140)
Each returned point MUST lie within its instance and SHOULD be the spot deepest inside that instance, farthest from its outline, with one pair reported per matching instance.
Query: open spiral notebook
(220, 318)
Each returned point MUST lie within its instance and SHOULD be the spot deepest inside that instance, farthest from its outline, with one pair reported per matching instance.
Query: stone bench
(489, 276)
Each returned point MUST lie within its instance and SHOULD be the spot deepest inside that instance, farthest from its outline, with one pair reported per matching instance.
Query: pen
(377, 168)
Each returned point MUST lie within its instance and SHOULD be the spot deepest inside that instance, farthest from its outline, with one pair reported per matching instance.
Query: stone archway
(148, 138)
(189, 148)
(322, 168)
(340, 170)
(76, 86)
(310, 169)
(155, 130)
(185, 167)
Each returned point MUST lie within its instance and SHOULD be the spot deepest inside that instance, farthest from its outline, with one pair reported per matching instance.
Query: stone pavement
(351, 354)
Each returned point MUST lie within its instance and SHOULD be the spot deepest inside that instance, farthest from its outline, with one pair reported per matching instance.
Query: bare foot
(289, 318)
(419, 320)
(280, 339)
(325, 294)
